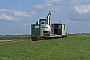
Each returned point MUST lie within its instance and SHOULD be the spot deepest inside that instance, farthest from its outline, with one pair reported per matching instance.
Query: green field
(74, 47)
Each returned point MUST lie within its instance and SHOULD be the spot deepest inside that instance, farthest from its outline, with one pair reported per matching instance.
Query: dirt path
(6, 40)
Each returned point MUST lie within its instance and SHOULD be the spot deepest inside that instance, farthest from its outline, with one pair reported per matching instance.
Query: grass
(74, 47)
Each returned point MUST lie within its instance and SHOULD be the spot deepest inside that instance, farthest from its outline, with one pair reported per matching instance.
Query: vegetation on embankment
(74, 47)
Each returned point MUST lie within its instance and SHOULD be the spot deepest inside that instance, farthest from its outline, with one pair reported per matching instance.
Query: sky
(16, 16)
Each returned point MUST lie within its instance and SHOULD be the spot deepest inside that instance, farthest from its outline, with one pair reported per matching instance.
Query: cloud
(83, 9)
(5, 17)
(71, 21)
(39, 6)
(57, 5)
(19, 7)
(48, 7)
(43, 6)
(73, 10)
(0, 29)
(79, 13)
(88, 25)
(65, 1)
(11, 15)
(23, 24)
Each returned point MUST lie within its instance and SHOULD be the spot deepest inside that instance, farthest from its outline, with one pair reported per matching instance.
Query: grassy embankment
(74, 47)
